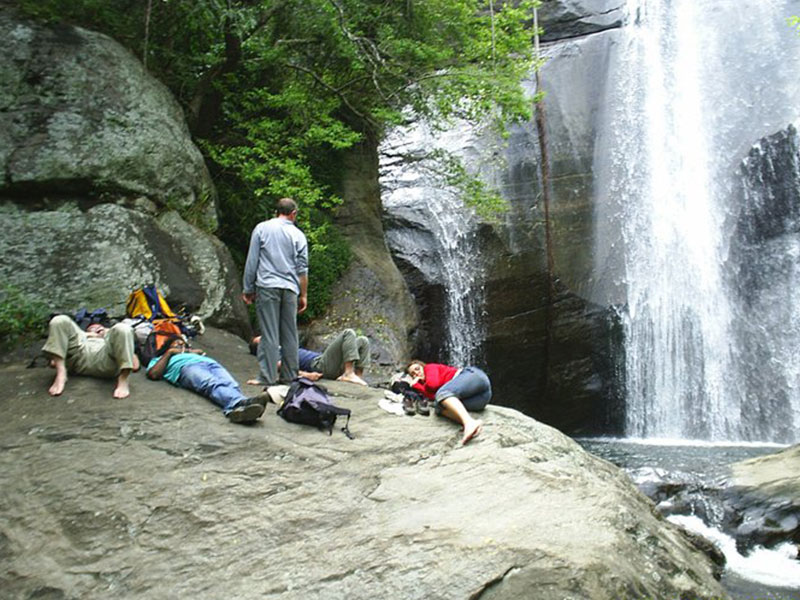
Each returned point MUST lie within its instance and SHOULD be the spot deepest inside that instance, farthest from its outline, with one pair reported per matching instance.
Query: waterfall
(439, 233)
(692, 84)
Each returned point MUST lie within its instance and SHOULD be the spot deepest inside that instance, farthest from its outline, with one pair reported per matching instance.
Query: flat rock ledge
(158, 496)
(764, 499)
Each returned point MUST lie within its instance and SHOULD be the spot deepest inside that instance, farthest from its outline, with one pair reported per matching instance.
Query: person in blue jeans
(193, 370)
(454, 391)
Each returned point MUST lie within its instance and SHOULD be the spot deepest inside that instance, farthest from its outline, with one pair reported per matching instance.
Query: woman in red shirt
(454, 392)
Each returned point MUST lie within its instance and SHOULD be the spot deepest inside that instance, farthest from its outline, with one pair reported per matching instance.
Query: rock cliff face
(159, 496)
(96, 164)
(550, 344)
(372, 296)
(763, 261)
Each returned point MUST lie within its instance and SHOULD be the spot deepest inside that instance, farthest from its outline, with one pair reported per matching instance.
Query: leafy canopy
(276, 90)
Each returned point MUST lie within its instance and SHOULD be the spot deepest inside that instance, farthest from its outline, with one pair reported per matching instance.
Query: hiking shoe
(246, 412)
(423, 407)
(261, 399)
(408, 406)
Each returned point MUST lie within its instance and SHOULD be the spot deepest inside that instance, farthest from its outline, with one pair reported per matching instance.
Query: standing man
(276, 279)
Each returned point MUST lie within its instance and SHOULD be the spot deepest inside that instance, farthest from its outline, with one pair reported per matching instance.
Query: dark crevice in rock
(494, 583)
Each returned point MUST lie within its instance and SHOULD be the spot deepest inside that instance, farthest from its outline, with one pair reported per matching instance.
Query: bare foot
(471, 429)
(136, 364)
(352, 378)
(256, 382)
(59, 383)
(122, 390)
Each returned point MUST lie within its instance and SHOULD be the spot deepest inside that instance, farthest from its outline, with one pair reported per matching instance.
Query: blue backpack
(308, 403)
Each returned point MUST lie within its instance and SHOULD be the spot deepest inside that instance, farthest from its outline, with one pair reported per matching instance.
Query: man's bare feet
(352, 378)
(60, 380)
(122, 390)
(471, 429)
(59, 383)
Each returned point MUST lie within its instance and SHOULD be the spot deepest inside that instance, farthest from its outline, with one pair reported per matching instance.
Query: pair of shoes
(246, 412)
(409, 406)
(423, 407)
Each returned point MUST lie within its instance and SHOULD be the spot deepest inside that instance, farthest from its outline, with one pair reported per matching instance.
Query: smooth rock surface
(159, 496)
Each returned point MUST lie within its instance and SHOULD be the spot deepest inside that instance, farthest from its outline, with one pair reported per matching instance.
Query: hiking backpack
(309, 404)
(148, 302)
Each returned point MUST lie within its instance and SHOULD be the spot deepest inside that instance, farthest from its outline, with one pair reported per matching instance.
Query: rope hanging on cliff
(545, 169)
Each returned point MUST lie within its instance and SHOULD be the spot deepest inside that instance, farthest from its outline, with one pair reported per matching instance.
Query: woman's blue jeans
(471, 386)
(212, 380)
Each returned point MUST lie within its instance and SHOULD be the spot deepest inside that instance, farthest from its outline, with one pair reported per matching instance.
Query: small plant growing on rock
(21, 317)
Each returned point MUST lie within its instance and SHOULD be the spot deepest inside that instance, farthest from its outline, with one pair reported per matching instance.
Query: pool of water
(761, 574)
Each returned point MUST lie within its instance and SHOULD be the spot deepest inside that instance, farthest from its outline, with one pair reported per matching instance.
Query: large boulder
(71, 258)
(102, 188)
(80, 114)
(764, 499)
(159, 496)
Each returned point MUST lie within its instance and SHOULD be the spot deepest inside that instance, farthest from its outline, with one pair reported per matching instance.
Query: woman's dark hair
(414, 362)
(168, 343)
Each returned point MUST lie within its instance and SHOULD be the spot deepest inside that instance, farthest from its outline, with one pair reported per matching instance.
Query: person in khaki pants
(98, 352)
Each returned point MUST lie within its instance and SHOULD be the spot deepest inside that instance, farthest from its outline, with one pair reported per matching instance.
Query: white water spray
(414, 188)
(675, 126)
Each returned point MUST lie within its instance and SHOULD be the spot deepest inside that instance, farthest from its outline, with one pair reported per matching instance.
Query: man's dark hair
(167, 343)
(286, 206)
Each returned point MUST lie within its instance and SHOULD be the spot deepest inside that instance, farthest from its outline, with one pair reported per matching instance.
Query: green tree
(275, 90)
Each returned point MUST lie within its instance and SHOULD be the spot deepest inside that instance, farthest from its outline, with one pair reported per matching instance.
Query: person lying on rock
(192, 370)
(97, 352)
(344, 359)
(454, 392)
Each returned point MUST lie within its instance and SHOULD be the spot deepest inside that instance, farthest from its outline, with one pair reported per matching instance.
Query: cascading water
(692, 83)
(414, 191)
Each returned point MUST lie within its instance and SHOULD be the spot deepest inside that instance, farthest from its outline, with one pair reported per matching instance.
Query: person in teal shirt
(193, 370)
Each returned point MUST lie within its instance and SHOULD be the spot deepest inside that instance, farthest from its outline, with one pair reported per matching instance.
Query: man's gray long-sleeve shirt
(277, 257)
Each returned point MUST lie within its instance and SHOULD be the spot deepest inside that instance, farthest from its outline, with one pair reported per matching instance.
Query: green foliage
(487, 202)
(20, 316)
(794, 22)
(276, 90)
(328, 258)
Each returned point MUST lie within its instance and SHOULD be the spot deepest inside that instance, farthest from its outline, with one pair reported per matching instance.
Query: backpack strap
(346, 428)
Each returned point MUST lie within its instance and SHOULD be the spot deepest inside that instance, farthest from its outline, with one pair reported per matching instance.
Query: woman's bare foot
(471, 429)
(352, 378)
